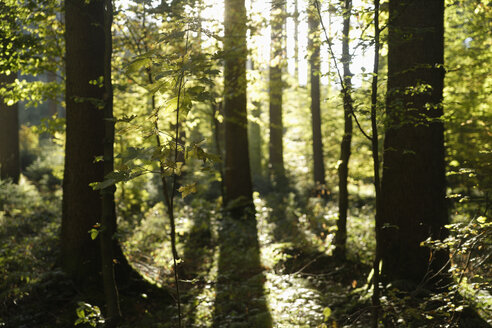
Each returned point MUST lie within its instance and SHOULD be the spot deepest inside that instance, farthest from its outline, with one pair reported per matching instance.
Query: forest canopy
(245, 163)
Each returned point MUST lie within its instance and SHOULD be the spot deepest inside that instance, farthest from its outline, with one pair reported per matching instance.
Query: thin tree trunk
(413, 189)
(341, 234)
(9, 136)
(375, 159)
(217, 132)
(52, 105)
(276, 160)
(314, 62)
(107, 194)
(255, 143)
(296, 40)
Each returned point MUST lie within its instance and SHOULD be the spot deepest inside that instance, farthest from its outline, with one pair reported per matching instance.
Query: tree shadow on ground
(302, 255)
(240, 299)
(312, 268)
(197, 258)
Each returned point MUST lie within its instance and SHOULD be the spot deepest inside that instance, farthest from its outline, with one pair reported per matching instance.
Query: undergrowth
(276, 273)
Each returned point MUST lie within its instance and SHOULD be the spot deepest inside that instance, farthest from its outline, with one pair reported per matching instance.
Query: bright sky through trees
(259, 43)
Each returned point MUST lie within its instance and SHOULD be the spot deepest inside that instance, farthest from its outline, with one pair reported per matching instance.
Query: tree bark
(314, 62)
(276, 160)
(9, 136)
(85, 136)
(255, 142)
(413, 185)
(237, 175)
(107, 194)
(375, 160)
(341, 235)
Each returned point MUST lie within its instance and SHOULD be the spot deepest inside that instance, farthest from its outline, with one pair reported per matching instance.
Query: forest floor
(275, 273)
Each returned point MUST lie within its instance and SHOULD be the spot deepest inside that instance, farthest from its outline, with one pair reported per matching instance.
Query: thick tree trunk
(237, 175)
(413, 185)
(84, 138)
(85, 135)
(9, 136)
(276, 160)
(341, 235)
(314, 62)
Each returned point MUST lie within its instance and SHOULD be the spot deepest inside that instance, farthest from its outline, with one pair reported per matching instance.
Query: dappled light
(245, 163)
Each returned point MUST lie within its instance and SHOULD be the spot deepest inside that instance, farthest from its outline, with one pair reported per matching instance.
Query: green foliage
(31, 43)
(470, 246)
(164, 58)
(88, 314)
(28, 248)
(467, 98)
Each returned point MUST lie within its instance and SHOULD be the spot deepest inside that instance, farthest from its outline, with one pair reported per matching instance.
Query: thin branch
(344, 86)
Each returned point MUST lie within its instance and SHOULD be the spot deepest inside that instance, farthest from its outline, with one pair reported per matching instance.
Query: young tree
(296, 40)
(9, 134)
(348, 110)
(108, 213)
(237, 175)
(413, 205)
(276, 160)
(314, 63)
(375, 162)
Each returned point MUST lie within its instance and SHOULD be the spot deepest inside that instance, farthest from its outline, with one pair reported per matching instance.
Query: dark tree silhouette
(276, 153)
(348, 109)
(314, 63)
(9, 135)
(237, 176)
(413, 190)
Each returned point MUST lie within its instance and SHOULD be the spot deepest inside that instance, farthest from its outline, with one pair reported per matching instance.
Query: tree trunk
(413, 185)
(85, 136)
(108, 216)
(52, 105)
(341, 235)
(296, 40)
(276, 161)
(237, 175)
(218, 135)
(9, 136)
(375, 160)
(314, 62)
(255, 142)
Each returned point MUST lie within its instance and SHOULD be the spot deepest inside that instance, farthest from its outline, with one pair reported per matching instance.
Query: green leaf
(80, 312)
(326, 313)
(138, 64)
(188, 189)
(94, 232)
